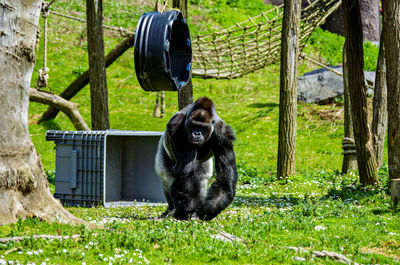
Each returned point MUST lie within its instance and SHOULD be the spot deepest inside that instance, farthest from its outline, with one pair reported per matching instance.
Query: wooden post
(97, 66)
(288, 89)
(380, 114)
(391, 35)
(185, 95)
(358, 93)
(348, 144)
(395, 192)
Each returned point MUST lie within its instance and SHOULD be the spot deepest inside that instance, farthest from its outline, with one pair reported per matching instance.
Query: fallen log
(69, 108)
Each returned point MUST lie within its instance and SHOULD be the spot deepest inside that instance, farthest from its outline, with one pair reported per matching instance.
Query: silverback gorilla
(184, 162)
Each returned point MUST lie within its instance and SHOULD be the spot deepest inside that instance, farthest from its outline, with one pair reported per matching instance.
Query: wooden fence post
(395, 192)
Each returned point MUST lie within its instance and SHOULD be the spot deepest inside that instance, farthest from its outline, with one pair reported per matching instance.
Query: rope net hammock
(247, 46)
(253, 44)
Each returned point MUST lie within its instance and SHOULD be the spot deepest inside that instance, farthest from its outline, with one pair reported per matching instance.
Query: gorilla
(184, 162)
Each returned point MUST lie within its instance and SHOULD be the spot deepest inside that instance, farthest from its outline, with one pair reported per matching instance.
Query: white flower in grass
(320, 227)
(64, 250)
(29, 253)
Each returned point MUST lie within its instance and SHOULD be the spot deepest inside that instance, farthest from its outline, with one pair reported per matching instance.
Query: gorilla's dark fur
(184, 162)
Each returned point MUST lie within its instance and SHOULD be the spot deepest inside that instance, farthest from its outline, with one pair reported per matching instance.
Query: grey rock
(323, 86)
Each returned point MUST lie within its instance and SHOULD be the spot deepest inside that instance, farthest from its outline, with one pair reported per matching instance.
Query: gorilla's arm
(222, 190)
(184, 192)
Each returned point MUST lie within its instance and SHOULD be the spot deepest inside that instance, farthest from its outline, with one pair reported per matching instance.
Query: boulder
(323, 86)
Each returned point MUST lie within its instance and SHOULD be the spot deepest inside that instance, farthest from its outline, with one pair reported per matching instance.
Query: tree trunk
(379, 119)
(395, 192)
(391, 26)
(288, 89)
(23, 184)
(185, 95)
(97, 66)
(82, 80)
(370, 17)
(349, 156)
(182, 6)
(358, 96)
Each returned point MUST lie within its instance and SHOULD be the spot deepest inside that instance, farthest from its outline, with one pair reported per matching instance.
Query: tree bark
(97, 66)
(185, 95)
(23, 184)
(288, 89)
(391, 26)
(358, 96)
(370, 17)
(82, 80)
(379, 118)
(349, 158)
(182, 6)
(70, 109)
(395, 192)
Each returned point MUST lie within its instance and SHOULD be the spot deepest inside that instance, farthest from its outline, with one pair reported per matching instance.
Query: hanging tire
(163, 51)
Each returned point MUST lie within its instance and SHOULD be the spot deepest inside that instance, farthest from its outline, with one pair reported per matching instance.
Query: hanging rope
(123, 32)
(165, 5)
(44, 72)
(159, 109)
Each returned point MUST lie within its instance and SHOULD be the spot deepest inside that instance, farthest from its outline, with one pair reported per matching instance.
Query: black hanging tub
(163, 51)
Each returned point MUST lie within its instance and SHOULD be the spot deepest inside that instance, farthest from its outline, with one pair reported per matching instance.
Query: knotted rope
(43, 77)
(158, 111)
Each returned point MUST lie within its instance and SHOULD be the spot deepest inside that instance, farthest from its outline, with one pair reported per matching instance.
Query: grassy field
(316, 210)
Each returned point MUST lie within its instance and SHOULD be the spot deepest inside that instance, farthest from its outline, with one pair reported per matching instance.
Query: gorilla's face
(199, 126)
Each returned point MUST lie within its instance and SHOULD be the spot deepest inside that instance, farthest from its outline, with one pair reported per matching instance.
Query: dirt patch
(386, 249)
(329, 114)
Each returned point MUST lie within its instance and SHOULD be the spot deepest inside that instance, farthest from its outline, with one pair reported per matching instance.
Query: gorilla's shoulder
(224, 132)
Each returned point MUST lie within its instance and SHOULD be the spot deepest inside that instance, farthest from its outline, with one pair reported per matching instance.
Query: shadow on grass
(51, 125)
(277, 201)
(382, 211)
(263, 105)
(352, 192)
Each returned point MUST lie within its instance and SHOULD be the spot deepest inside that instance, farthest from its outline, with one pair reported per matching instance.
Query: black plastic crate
(107, 168)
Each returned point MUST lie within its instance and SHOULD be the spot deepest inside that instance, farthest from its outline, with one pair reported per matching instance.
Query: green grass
(330, 212)
(317, 209)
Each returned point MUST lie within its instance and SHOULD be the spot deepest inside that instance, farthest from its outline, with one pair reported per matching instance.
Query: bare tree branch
(70, 109)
